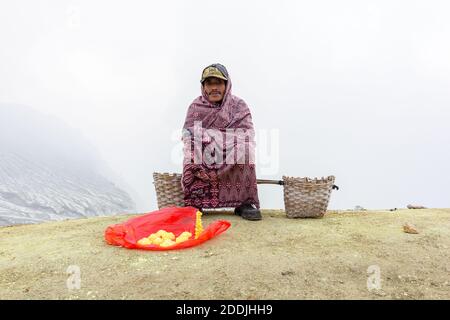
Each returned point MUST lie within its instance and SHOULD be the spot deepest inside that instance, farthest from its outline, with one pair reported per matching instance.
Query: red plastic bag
(171, 219)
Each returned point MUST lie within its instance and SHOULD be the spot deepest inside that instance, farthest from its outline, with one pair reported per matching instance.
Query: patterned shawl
(231, 113)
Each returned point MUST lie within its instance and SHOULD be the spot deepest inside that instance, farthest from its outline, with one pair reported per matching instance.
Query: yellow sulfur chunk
(185, 234)
(152, 237)
(167, 243)
(160, 233)
(198, 224)
(168, 235)
(181, 239)
(157, 241)
(144, 242)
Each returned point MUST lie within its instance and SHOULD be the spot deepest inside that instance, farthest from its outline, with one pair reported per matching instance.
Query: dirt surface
(276, 258)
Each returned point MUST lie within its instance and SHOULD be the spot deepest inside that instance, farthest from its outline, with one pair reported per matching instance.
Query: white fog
(354, 89)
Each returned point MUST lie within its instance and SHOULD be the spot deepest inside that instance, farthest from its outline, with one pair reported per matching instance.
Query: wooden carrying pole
(266, 181)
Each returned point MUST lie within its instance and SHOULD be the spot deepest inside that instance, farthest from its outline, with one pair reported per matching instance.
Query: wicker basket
(303, 197)
(307, 198)
(168, 189)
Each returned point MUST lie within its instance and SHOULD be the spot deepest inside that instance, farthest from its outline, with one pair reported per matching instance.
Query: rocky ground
(277, 258)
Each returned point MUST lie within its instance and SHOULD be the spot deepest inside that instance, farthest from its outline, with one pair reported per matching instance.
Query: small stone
(209, 254)
(409, 228)
(412, 278)
(415, 206)
(434, 284)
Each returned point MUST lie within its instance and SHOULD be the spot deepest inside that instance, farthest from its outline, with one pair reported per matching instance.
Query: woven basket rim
(315, 180)
(167, 173)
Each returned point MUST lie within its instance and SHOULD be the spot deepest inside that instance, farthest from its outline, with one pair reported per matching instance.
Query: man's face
(214, 88)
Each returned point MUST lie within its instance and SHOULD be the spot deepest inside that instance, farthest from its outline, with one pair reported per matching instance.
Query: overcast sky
(356, 89)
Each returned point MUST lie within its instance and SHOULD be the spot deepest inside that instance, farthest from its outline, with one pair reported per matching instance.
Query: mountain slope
(49, 171)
